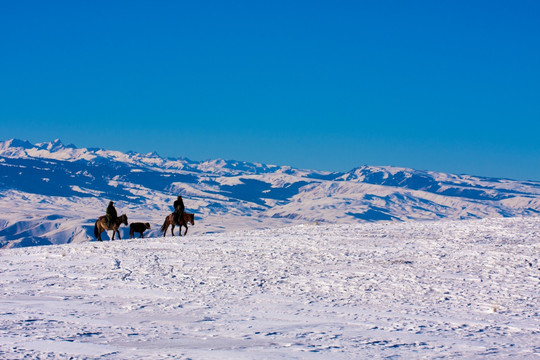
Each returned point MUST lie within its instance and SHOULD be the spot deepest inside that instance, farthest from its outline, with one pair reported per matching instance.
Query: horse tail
(164, 226)
(96, 232)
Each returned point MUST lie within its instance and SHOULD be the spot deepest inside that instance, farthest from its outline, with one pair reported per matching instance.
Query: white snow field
(432, 289)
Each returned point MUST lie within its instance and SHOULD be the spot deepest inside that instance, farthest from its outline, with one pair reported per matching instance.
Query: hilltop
(438, 289)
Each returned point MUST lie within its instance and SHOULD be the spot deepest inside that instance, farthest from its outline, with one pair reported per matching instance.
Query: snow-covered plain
(425, 289)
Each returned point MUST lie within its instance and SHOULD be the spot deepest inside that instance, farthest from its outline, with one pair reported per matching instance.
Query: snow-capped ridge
(53, 146)
(15, 143)
(37, 181)
(153, 154)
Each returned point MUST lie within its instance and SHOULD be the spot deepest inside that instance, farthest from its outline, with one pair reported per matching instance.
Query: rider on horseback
(178, 209)
(111, 214)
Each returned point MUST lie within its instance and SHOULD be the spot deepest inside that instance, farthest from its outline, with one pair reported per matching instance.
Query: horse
(139, 228)
(169, 220)
(101, 225)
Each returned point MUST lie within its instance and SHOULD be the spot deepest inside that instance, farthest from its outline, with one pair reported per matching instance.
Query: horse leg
(186, 230)
(172, 229)
(97, 231)
(118, 231)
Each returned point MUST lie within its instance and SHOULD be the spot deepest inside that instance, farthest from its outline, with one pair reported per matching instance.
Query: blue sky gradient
(447, 86)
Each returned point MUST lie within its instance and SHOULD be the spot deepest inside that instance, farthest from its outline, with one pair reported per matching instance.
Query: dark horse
(101, 225)
(169, 220)
(139, 228)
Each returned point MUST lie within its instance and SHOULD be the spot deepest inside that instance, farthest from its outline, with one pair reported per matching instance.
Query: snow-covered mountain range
(51, 193)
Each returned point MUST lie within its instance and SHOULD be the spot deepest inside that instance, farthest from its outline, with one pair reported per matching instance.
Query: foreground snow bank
(416, 289)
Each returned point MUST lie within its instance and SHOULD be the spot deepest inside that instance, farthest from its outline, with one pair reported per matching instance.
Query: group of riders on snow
(178, 205)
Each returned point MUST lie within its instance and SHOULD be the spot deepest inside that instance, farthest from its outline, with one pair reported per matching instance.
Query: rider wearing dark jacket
(178, 208)
(111, 214)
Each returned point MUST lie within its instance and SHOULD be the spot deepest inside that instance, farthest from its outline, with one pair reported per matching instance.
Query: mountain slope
(51, 193)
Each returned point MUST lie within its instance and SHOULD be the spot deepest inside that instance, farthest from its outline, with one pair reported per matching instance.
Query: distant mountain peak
(16, 143)
(153, 154)
(52, 146)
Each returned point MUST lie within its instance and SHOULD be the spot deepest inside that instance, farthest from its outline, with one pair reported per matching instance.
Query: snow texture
(400, 290)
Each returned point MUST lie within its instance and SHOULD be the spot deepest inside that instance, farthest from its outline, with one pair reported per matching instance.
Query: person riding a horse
(178, 208)
(111, 214)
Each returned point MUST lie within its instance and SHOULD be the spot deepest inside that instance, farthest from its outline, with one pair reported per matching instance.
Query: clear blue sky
(451, 86)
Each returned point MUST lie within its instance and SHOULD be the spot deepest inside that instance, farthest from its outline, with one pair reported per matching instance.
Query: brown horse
(101, 225)
(169, 220)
